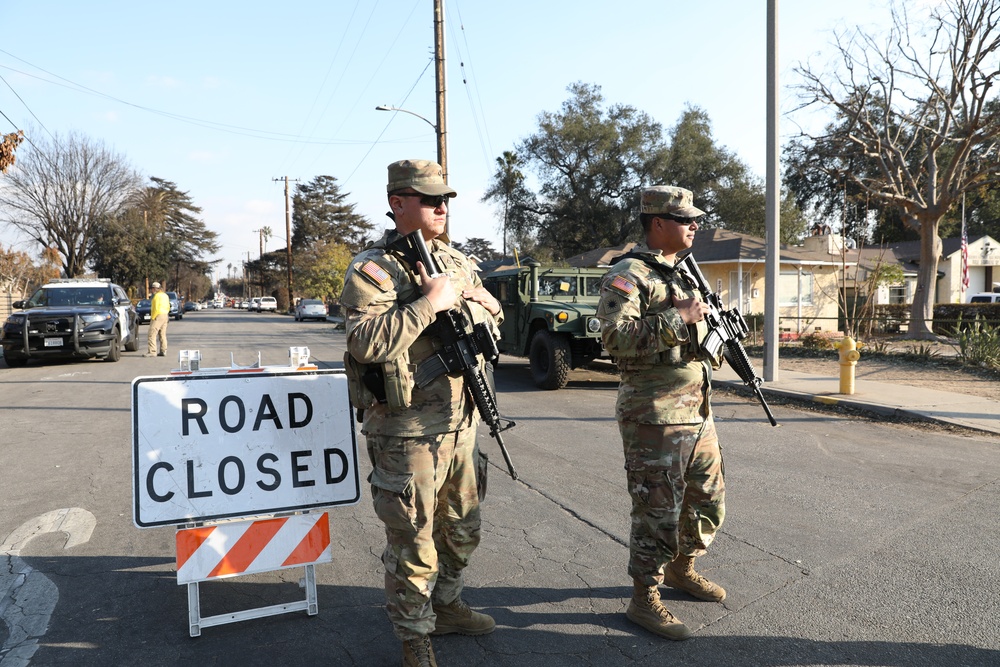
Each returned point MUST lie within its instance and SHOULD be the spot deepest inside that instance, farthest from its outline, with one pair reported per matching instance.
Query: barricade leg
(194, 610)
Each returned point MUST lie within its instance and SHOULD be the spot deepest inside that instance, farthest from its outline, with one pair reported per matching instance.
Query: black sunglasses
(433, 201)
(680, 221)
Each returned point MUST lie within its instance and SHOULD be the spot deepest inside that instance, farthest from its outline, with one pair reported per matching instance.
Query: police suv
(71, 319)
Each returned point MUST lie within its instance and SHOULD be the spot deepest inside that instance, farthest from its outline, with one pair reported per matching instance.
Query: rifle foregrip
(487, 408)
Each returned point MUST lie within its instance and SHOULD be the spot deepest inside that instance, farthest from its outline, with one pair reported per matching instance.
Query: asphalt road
(847, 542)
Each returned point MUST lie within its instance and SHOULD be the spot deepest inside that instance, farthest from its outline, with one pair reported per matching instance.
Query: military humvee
(549, 317)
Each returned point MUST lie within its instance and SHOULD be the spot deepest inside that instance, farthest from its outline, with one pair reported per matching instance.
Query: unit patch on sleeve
(375, 273)
(622, 285)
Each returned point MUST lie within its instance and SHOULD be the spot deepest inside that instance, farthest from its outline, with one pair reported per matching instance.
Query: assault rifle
(728, 328)
(463, 345)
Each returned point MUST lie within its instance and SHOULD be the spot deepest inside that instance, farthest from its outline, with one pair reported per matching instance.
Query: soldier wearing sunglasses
(652, 321)
(428, 475)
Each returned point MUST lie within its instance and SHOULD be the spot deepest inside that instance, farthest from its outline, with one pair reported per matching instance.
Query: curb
(855, 404)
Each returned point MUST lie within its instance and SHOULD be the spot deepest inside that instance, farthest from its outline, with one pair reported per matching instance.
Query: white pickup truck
(985, 297)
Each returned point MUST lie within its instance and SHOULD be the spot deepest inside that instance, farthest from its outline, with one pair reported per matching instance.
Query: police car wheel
(133, 340)
(14, 362)
(115, 352)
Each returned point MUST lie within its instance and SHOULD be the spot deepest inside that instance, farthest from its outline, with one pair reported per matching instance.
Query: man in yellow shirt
(159, 315)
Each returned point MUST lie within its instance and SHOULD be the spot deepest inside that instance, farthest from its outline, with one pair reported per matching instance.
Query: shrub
(816, 341)
(978, 344)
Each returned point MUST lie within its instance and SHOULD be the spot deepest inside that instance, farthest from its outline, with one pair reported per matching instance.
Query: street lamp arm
(385, 107)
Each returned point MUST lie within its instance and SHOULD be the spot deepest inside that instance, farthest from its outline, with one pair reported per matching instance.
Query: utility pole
(441, 88)
(772, 209)
(288, 237)
(260, 234)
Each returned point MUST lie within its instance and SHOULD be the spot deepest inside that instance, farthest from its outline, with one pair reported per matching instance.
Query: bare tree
(916, 120)
(60, 191)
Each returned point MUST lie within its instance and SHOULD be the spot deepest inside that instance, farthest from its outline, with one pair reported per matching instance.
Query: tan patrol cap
(156, 285)
(668, 200)
(424, 176)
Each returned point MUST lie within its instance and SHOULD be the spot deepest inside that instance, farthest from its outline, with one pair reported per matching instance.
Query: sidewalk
(882, 398)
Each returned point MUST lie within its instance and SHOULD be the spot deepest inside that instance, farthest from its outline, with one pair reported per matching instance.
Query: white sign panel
(237, 445)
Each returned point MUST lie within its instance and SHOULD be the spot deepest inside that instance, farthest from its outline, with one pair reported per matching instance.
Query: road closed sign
(217, 446)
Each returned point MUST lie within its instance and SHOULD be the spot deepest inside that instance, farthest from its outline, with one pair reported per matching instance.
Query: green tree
(62, 191)
(514, 201)
(480, 247)
(158, 234)
(321, 212)
(723, 185)
(919, 104)
(320, 270)
(591, 163)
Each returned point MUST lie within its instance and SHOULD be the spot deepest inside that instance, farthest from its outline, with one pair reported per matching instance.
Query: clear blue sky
(223, 97)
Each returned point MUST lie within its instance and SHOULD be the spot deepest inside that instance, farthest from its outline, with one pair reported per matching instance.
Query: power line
(388, 122)
(26, 107)
(326, 76)
(484, 129)
(208, 124)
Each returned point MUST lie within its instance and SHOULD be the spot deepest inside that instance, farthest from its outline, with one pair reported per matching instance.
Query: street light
(441, 159)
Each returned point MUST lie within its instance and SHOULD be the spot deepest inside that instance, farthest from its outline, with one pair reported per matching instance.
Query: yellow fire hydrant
(849, 355)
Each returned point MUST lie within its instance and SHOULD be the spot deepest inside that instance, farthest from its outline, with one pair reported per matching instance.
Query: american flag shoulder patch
(375, 272)
(624, 286)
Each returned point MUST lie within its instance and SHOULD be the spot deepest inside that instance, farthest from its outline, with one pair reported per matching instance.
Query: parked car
(310, 309)
(71, 318)
(254, 306)
(190, 306)
(985, 297)
(267, 303)
(142, 311)
(175, 306)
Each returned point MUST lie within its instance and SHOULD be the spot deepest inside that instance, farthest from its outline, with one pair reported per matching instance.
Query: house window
(795, 288)
(897, 294)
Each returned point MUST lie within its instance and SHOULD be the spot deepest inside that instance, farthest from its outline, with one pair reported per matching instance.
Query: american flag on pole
(965, 256)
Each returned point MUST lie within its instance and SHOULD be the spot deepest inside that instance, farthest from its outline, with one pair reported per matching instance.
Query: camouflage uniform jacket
(387, 319)
(665, 378)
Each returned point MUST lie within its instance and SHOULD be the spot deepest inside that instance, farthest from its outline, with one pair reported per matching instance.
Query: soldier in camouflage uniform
(427, 472)
(652, 319)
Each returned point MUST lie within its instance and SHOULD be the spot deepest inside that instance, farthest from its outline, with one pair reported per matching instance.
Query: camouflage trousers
(426, 491)
(675, 478)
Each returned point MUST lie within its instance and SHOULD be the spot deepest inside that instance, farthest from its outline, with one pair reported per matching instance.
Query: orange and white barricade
(245, 547)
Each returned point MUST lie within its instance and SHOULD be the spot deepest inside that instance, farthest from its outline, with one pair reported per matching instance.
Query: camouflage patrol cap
(669, 200)
(424, 176)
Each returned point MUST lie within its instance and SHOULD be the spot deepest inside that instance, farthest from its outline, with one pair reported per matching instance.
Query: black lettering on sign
(292, 421)
(327, 453)
(273, 472)
(187, 414)
(298, 467)
(190, 481)
(160, 498)
(241, 475)
(224, 420)
(266, 411)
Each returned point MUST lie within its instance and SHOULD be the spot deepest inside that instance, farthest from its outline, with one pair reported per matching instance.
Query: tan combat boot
(647, 611)
(418, 653)
(680, 574)
(458, 617)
